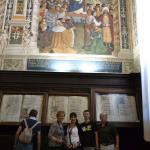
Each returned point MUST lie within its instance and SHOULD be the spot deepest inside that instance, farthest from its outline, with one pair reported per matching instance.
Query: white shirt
(74, 136)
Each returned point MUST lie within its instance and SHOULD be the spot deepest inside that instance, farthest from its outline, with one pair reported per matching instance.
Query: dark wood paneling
(131, 134)
(47, 80)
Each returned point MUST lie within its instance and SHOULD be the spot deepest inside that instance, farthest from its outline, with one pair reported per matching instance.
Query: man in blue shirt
(36, 133)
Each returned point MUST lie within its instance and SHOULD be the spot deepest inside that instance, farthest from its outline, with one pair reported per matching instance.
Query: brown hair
(59, 113)
(86, 111)
(33, 113)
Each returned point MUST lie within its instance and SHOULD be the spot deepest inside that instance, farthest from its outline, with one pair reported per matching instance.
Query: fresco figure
(75, 5)
(42, 11)
(93, 33)
(3, 40)
(89, 27)
(107, 28)
(51, 17)
(62, 37)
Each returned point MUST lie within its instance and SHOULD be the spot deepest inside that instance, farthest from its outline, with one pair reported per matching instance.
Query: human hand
(70, 146)
(76, 145)
(60, 141)
(116, 147)
(97, 148)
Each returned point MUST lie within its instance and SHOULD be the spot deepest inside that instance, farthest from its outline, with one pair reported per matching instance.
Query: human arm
(52, 135)
(117, 142)
(97, 141)
(97, 145)
(116, 137)
(38, 140)
(17, 135)
(56, 140)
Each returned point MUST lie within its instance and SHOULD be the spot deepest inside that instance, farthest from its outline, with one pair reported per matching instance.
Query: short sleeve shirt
(30, 123)
(88, 134)
(107, 134)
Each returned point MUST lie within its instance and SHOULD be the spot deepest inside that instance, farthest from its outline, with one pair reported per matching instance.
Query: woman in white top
(72, 133)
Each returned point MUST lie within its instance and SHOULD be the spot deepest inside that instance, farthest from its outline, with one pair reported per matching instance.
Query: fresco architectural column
(34, 27)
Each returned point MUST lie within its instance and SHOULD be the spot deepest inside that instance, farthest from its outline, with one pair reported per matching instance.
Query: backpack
(26, 134)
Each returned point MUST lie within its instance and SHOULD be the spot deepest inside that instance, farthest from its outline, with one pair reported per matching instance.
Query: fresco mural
(16, 35)
(17, 18)
(49, 31)
(64, 26)
(20, 7)
(76, 26)
(2, 8)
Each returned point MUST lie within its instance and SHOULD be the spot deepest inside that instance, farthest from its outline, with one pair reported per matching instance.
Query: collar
(105, 124)
(87, 122)
(33, 118)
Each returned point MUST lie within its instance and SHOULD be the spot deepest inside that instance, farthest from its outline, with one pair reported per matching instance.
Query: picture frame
(44, 103)
(20, 104)
(10, 108)
(120, 105)
(69, 102)
(19, 9)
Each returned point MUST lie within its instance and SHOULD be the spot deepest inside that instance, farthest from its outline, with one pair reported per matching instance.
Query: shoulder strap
(70, 132)
(65, 129)
(34, 125)
(26, 125)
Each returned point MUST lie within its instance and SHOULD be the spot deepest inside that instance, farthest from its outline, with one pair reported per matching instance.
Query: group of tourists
(72, 136)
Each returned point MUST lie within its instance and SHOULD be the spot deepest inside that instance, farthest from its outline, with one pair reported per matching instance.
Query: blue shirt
(75, 5)
(30, 123)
